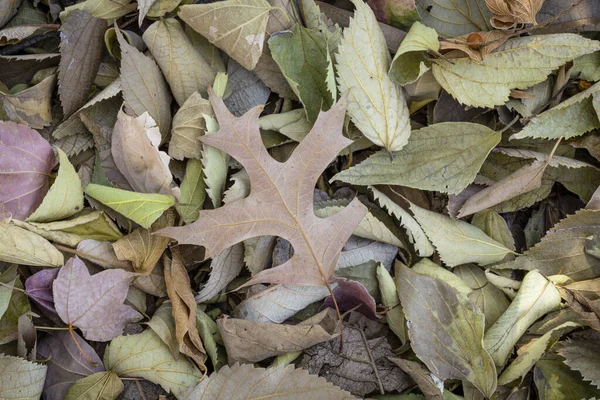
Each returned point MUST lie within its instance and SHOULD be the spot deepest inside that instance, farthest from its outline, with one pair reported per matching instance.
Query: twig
(16, 48)
(12, 287)
(364, 338)
(138, 384)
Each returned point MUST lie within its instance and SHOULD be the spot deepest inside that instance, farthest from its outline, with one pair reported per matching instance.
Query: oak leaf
(281, 200)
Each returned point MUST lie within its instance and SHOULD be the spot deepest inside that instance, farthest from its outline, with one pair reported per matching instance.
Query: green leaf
(410, 61)
(536, 297)
(561, 251)
(375, 103)
(21, 379)
(555, 381)
(583, 356)
(99, 386)
(18, 305)
(189, 125)
(456, 350)
(455, 17)
(318, 22)
(20, 246)
(588, 67)
(458, 242)
(7, 277)
(143, 208)
(302, 56)
(193, 192)
(146, 356)
(488, 83)
(235, 26)
(65, 197)
(389, 298)
(108, 9)
(443, 157)
(493, 225)
(573, 117)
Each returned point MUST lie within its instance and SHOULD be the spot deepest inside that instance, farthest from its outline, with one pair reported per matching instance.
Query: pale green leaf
(455, 17)
(456, 351)
(554, 380)
(244, 381)
(458, 242)
(587, 67)
(443, 157)
(536, 297)
(488, 83)
(20, 246)
(215, 164)
(410, 61)
(99, 386)
(65, 197)
(188, 126)
(573, 117)
(146, 356)
(21, 379)
(302, 57)
(7, 277)
(107, 9)
(162, 7)
(315, 20)
(389, 298)
(143, 8)
(375, 103)
(184, 68)
(433, 270)
(292, 124)
(493, 225)
(235, 26)
(531, 352)
(225, 267)
(193, 192)
(561, 251)
(143, 208)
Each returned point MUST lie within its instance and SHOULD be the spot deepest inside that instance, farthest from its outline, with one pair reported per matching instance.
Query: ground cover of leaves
(251, 199)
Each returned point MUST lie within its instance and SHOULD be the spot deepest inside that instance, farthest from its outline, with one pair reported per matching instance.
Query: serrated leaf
(409, 62)
(235, 26)
(30, 159)
(20, 246)
(583, 356)
(561, 251)
(215, 164)
(99, 386)
(144, 88)
(536, 297)
(554, 380)
(573, 117)
(443, 157)
(81, 51)
(225, 267)
(455, 17)
(189, 125)
(31, 106)
(146, 356)
(458, 242)
(143, 208)
(488, 83)
(375, 104)
(20, 379)
(247, 90)
(302, 56)
(65, 197)
(108, 9)
(244, 381)
(184, 68)
(82, 300)
(456, 351)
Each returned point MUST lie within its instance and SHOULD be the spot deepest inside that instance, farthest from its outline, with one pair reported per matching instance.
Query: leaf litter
(390, 199)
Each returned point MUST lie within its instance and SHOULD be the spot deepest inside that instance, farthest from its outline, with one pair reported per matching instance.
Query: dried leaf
(38, 288)
(146, 356)
(553, 378)
(247, 90)
(26, 248)
(488, 83)
(494, 225)
(314, 257)
(401, 14)
(30, 159)
(183, 67)
(193, 192)
(225, 267)
(458, 242)
(583, 298)
(457, 351)
(184, 309)
(410, 62)
(235, 26)
(582, 356)
(82, 300)
(510, 12)
(101, 385)
(244, 381)
(248, 341)
(20, 379)
(80, 54)
(143, 208)
(444, 157)
(454, 17)
(65, 197)
(375, 104)
(477, 45)
(31, 106)
(189, 125)
(389, 298)
(536, 297)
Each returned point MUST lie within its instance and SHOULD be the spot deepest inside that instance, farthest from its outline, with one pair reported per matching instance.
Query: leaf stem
(79, 347)
(51, 328)
(13, 287)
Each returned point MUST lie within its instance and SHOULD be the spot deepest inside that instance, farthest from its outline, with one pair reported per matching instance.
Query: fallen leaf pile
(250, 199)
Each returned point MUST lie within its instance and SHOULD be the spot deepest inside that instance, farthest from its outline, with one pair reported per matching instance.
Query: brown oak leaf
(281, 198)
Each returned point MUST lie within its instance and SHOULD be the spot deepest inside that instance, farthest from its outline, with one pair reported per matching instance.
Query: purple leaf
(26, 160)
(39, 288)
(352, 295)
(66, 364)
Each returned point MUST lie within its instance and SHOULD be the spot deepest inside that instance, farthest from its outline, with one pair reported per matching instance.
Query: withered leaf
(80, 51)
(510, 12)
(32, 106)
(281, 202)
